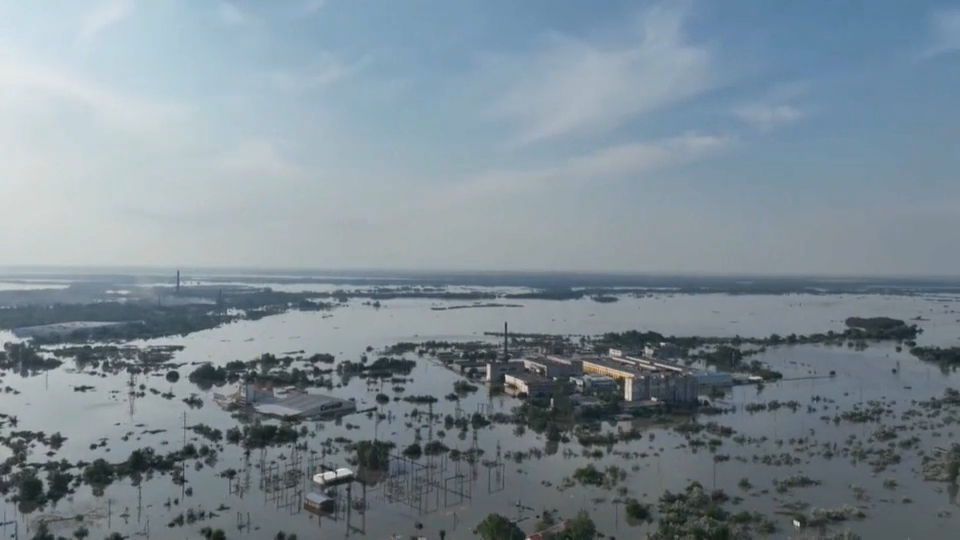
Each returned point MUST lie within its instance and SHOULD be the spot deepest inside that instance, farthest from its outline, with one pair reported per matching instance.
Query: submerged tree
(497, 527)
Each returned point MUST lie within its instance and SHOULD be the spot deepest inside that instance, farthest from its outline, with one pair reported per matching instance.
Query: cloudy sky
(743, 136)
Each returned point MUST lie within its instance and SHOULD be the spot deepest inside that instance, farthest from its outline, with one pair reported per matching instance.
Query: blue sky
(738, 137)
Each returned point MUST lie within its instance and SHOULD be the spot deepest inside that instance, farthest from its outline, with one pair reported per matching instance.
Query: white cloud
(768, 117)
(608, 164)
(257, 158)
(944, 33)
(328, 70)
(24, 79)
(775, 110)
(107, 14)
(231, 14)
(569, 86)
(311, 7)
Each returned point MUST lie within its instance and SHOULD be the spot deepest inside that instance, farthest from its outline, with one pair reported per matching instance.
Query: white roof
(276, 410)
(317, 498)
(332, 476)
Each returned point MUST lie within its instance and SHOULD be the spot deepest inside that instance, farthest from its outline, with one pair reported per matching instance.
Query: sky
(743, 136)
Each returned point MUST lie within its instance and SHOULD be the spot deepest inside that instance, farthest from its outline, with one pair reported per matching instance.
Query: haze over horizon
(750, 138)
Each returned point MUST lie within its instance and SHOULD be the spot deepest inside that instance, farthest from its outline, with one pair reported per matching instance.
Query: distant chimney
(178, 281)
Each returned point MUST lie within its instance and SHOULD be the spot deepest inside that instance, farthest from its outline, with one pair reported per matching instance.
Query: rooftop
(611, 364)
(528, 377)
(597, 378)
(303, 405)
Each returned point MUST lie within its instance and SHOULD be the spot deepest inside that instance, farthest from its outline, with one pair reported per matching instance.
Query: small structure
(318, 503)
(333, 478)
(321, 499)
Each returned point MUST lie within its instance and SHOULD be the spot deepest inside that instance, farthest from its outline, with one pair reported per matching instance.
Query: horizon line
(270, 270)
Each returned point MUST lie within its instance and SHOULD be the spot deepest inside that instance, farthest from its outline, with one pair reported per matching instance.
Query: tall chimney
(178, 281)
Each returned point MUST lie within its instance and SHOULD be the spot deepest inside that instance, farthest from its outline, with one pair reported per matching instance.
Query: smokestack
(178, 281)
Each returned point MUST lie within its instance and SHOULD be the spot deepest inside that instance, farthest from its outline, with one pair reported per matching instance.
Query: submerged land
(119, 418)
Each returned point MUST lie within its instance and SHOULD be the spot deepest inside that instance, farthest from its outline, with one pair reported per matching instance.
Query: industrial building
(669, 388)
(287, 402)
(530, 384)
(594, 383)
(554, 367)
(704, 378)
(647, 363)
(644, 382)
(610, 368)
(496, 370)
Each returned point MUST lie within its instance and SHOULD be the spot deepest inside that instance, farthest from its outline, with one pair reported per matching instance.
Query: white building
(530, 384)
(662, 387)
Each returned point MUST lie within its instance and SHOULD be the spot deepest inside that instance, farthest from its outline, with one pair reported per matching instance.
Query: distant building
(610, 368)
(472, 368)
(708, 379)
(496, 370)
(594, 383)
(530, 384)
(555, 367)
(664, 351)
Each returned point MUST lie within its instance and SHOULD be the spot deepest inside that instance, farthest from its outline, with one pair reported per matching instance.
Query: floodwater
(48, 402)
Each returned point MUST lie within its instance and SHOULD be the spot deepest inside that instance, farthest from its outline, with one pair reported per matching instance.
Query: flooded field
(801, 435)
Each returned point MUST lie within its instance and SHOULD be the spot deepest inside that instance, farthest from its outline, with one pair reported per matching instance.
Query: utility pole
(183, 460)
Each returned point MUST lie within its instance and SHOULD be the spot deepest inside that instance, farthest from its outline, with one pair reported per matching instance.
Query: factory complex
(644, 377)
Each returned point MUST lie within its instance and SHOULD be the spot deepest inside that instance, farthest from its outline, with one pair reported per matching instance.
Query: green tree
(638, 511)
(581, 528)
(497, 527)
(29, 487)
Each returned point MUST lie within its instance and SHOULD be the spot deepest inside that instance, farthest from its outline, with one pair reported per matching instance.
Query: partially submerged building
(496, 370)
(553, 366)
(288, 402)
(321, 498)
(531, 384)
(665, 387)
(642, 382)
